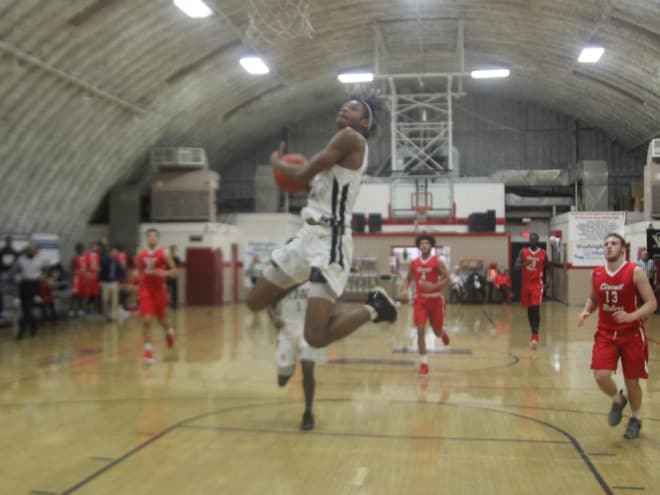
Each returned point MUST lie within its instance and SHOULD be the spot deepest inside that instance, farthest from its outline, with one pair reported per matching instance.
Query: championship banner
(653, 243)
(587, 234)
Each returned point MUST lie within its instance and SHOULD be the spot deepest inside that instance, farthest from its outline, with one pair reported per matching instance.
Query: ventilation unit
(178, 158)
(652, 181)
(187, 196)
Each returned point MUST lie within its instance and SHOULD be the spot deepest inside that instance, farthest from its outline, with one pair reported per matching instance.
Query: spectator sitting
(502, 282)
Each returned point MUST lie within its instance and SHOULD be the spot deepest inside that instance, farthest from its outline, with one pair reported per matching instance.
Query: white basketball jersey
(334, 192)
(292, 310)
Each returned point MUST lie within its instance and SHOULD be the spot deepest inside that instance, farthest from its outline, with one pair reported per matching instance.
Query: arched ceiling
(88, 86)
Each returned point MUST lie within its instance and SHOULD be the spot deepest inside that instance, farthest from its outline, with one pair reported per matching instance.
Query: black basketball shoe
(307, 421)
(383, 304)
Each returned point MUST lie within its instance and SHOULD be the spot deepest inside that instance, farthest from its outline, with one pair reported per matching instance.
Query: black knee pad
(316, 276)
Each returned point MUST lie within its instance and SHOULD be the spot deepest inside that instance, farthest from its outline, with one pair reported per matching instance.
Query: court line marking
(205, 399)
(372, 435)
(585, 458)
(641, 488)
(572, 440)
(146, 443)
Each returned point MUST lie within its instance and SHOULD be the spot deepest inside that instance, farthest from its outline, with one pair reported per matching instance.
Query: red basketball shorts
(531, 295)
(153, 301)
(80, 285)
(630, 344)
(430, 309)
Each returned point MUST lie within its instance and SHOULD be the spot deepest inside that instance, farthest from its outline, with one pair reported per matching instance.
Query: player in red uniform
(431, 277)
(155, 264)
(93, 265)
(532, 261)
(615, 291)
(79, 282)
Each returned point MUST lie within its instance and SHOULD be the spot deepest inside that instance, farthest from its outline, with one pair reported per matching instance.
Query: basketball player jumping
(431, 277)
(322, 250)
(615, 291)
(288, 317)
(155, 264)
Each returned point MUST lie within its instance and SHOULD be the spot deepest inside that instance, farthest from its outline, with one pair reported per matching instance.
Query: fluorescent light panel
(489, 73)
(355, 77)
(591, 54)
(194, 8)
(254, 66)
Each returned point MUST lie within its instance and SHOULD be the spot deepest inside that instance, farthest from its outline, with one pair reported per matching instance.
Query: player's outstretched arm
(646, 293)
(589, 307)
(445, 277)
(343, 143)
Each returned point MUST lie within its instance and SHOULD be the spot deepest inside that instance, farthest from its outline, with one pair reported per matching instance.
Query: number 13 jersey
(616, 292)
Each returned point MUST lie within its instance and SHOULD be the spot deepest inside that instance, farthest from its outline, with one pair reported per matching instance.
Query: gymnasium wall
(635, 234)
(491, 133)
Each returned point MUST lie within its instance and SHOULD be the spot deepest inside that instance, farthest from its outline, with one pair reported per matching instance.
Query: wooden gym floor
(81, 413)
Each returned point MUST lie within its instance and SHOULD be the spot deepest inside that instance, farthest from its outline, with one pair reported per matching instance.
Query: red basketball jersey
(533, 273)
(93, 262)
(426, 270)
(616, 292)
(148, 262)
(79, 264)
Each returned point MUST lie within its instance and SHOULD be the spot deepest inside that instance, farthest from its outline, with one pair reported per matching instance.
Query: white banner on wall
(587, 233)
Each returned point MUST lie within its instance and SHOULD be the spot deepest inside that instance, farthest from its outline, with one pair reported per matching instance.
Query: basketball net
(420, 215)
(270, 21)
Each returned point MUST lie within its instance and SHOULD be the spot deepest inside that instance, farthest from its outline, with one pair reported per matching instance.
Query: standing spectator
(254, 270)
(457, 286)
(8, 256)
(647, 266)
(173, 282)
(29, 267)
(110, 274)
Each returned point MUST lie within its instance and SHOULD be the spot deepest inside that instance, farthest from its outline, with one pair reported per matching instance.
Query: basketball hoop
(270, 21)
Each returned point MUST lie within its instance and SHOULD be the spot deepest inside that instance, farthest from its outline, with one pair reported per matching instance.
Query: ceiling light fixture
(489, 73)
(355, 77)
(194, 8)
(254, 65)
(591, 54)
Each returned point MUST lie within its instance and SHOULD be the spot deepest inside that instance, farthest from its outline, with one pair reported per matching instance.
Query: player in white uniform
(322, 250)
(289, 319)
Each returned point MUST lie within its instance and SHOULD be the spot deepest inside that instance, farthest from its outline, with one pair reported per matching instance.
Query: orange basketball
(285, 183)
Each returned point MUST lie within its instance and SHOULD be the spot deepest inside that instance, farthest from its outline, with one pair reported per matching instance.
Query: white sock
(425, 359)
(148, 346)
(373, 314)
(635, 414)
(618, 398)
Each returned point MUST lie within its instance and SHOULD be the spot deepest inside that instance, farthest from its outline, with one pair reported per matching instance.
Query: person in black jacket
(8, 256)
